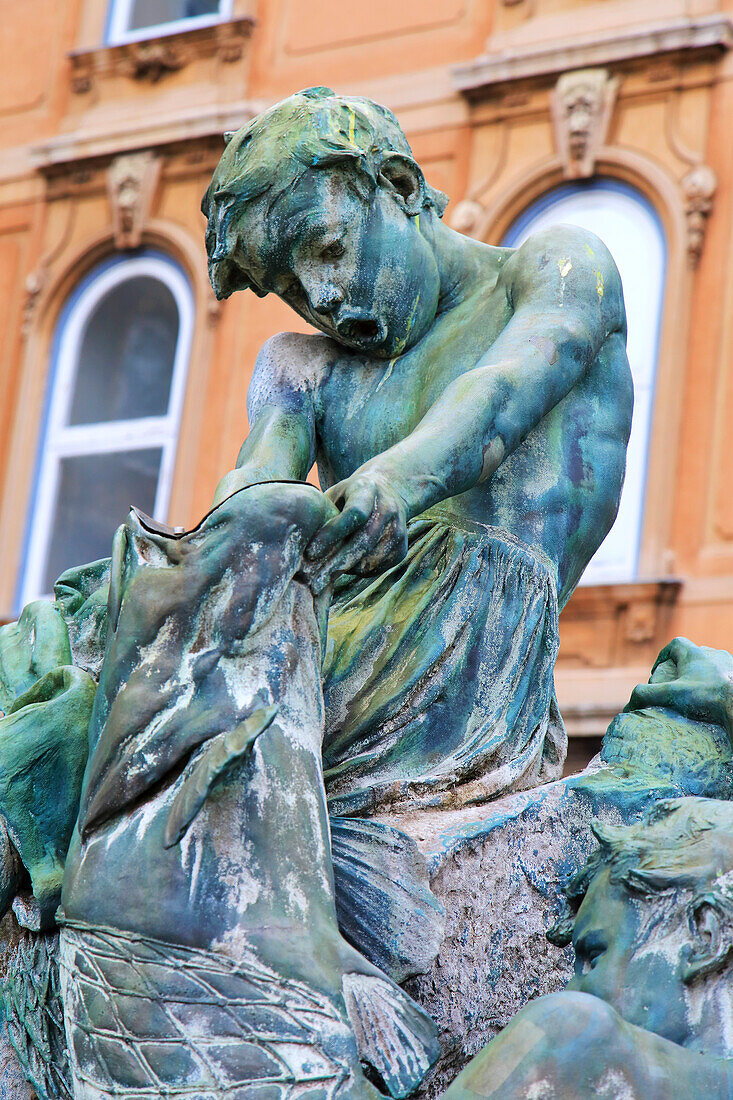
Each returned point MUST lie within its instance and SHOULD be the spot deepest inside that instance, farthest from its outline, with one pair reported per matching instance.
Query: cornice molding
(150, 59)
(70, 152)
(692, 38)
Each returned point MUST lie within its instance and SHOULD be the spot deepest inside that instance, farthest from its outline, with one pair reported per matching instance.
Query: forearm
(478, 420)
(279, 447)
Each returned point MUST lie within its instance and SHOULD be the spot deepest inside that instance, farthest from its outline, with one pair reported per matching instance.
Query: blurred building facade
(124, 380)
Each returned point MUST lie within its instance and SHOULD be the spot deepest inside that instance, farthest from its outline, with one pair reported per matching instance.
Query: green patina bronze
(198, 732)
(468, 408)
(646, 1016)
(47, 703)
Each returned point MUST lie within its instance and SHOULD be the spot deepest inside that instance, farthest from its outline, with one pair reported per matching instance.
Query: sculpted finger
(678, 650)
(322, 572)
(354, 516)
(366, 545)
(664, 671)
(350, 553)
(664, 693)
(389, 551)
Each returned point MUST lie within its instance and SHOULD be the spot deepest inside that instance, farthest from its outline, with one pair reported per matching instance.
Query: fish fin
(384, 903)
(220, 753)
(394, 1036)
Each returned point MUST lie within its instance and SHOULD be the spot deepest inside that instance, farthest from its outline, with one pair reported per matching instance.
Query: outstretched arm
(566, 297)
(281, 443)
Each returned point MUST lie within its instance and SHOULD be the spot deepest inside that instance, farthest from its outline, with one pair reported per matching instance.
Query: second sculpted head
(651, 921)
(320, 201)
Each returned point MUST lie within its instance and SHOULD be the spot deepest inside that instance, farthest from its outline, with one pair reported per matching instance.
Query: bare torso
(558, 489)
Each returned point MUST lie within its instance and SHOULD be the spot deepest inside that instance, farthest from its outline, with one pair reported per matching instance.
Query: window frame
(60, 440)
(119, 13)
(630, 571)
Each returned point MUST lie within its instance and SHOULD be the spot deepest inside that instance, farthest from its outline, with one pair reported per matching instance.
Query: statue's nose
(328, 299)
(360, 325)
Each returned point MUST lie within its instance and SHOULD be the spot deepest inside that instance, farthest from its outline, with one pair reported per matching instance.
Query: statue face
(631, 961)
(362, 271)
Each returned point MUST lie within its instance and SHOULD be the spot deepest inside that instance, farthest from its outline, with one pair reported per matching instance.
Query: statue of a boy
(647, 1016)
(469, 409)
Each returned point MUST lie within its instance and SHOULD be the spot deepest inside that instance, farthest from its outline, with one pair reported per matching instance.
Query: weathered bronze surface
(213, 742)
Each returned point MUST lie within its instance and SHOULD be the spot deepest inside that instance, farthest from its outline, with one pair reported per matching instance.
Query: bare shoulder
(570, 266)
(289, 367)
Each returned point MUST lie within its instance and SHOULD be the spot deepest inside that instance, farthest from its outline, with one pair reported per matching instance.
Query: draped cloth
(438, 674)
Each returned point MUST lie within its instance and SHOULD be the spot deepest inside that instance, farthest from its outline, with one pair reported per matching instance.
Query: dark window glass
(126, 354)
(151, 13)
(93, 497)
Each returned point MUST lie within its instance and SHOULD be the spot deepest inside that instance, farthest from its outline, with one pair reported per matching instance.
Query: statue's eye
(333, 251)
(294, 289)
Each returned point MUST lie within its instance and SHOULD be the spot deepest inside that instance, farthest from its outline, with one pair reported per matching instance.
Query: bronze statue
(468, 408)
(255, 694)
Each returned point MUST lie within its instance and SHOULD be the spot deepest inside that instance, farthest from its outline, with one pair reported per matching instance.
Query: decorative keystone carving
(81, 73)
(33, 286)
(616, 625)
(698, 191)
(131, 183)
(582, 105)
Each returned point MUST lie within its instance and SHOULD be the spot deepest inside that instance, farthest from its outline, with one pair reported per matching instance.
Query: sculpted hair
(681, 845)
(313, 129)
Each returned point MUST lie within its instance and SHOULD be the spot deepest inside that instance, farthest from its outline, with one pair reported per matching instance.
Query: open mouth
(364, 331)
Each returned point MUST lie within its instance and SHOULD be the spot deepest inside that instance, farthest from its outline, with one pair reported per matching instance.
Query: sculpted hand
(368, 536)
(693, 680)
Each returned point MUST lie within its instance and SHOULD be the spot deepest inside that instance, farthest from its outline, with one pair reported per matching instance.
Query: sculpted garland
(209, 738)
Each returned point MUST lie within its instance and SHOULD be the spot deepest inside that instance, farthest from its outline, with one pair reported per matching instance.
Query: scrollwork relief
(154, 58)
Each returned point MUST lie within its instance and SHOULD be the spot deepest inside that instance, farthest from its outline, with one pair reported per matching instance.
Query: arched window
(129, 20)
(631, 229)
(118, 370)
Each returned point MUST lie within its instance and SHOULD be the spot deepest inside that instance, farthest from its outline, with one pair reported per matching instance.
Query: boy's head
(320, 201)
(653, 913)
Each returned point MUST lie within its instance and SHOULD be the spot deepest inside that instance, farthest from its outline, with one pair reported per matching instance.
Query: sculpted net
(35, 1015)
(158, 1020)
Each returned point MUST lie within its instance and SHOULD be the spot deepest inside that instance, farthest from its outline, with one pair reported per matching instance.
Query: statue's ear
(404, 178)
(711, 945)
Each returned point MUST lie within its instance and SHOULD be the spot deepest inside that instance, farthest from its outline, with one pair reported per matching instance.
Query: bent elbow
(575, 340)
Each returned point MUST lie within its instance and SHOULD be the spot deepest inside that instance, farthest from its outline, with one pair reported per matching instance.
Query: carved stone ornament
(154, 58)
(582, 105)
(698, 191)
(151, 60)
(131, 183)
